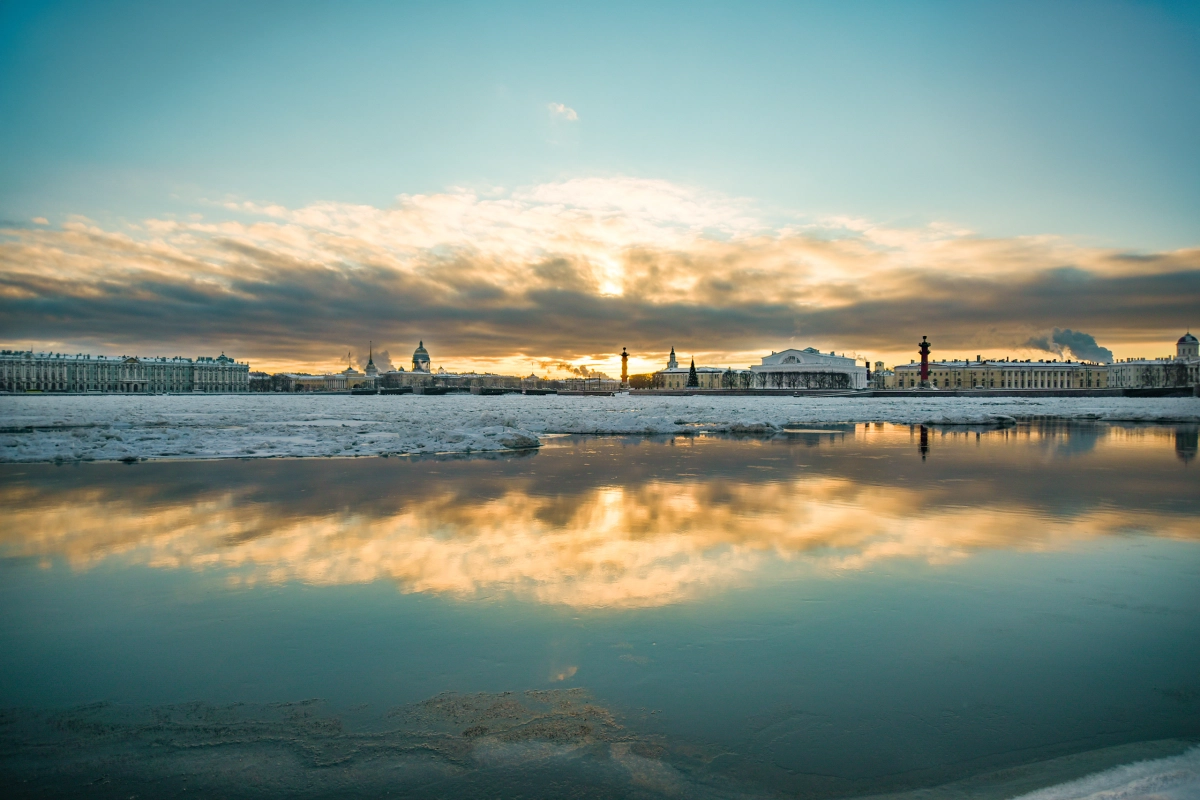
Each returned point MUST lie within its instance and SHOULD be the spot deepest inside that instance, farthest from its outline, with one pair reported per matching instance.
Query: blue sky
(1078, 119)
(1072, 120)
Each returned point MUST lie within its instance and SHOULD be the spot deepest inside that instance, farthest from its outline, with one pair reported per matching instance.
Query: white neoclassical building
(1155, 373)
(790, 369)
(27, 371)
(809, 369)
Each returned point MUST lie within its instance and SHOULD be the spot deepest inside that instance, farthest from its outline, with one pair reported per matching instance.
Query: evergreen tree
(693, 378)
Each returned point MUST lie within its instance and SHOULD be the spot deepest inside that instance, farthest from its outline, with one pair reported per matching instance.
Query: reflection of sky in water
(581, 525)
(824, 612)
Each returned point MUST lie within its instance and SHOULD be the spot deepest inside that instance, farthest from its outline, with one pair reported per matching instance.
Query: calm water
(843, 611)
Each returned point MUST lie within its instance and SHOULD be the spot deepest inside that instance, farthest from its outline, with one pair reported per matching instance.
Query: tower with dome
(420, 360)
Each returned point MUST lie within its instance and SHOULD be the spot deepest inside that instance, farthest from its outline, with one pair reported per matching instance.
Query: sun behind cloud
(571, 271)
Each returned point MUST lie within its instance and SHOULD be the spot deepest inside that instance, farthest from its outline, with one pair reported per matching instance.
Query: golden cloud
(552, 271)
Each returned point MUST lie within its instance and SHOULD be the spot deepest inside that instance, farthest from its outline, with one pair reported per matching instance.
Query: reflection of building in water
(26, 371)
(1187, 440)
(1159, 373)
(564, 531)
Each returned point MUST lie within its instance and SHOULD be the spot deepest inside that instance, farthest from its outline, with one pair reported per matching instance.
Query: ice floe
(1172, 778)
(127, 427)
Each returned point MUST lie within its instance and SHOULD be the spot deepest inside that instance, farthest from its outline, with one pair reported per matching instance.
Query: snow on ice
(116, 427)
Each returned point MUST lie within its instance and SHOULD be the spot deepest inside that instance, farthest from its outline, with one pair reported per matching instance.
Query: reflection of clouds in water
(606, 546)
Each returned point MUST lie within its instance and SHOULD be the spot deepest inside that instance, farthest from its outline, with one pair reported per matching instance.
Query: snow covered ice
(1173, 778)
(115, 427)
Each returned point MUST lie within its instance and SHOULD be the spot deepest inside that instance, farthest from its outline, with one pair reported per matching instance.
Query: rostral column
(923, 349)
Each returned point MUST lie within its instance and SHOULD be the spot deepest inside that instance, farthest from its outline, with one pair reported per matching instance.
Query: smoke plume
(1079, 345)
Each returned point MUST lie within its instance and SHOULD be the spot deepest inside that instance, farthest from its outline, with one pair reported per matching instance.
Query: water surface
(836, 611)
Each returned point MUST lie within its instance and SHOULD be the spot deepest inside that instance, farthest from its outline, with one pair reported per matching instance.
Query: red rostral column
(624, 367)
(923, 348)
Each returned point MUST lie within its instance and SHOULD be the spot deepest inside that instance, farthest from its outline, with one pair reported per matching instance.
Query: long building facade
(27, 371)
(1001, 374)
(1179, 372)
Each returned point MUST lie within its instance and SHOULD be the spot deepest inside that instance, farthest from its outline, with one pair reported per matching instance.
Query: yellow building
(676, 377)
(1002, 374)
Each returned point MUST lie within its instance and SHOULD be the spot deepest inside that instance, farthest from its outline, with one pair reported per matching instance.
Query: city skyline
(1010, 178)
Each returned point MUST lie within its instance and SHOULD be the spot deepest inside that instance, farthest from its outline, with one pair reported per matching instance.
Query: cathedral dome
(1187, 338)
(421, 358)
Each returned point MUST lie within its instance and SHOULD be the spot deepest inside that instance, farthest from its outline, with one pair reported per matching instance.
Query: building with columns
(1002, 373)
(27, 371)
(809, 369)
(1160, 373)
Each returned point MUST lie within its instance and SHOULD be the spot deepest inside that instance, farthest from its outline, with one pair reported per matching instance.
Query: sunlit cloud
(567, 271)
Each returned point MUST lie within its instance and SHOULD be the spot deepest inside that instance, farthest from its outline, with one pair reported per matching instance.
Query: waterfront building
(1181, 371)
(882, 378)
(27, 371)
(788, 369)
(984, 373)
(809, 369)
(676, 377)
(420, 359)
(1160, 373)
(597, 383)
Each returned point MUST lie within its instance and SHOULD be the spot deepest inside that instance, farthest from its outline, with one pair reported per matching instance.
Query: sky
(531, 187)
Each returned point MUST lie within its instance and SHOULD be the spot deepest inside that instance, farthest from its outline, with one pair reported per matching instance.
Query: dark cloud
(266, 303)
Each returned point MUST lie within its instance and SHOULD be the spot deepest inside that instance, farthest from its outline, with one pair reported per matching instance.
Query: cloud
(1080, 345)
(559, 111)
(40, 221)
(570, 271)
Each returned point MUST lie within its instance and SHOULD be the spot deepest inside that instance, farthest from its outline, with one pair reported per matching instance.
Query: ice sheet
(1173, 778)
(115, 427)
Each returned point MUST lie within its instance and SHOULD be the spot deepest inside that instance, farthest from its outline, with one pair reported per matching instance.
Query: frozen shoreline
(116, 427)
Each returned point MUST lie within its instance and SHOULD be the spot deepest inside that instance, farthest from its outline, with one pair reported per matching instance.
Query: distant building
(809, 369)
(676, 377)
(420, 359)
(1003, 374)
(26, 371)
(597, 383)
(789, 369)
(1181, 371)
(882, 378)
(1160, 373)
